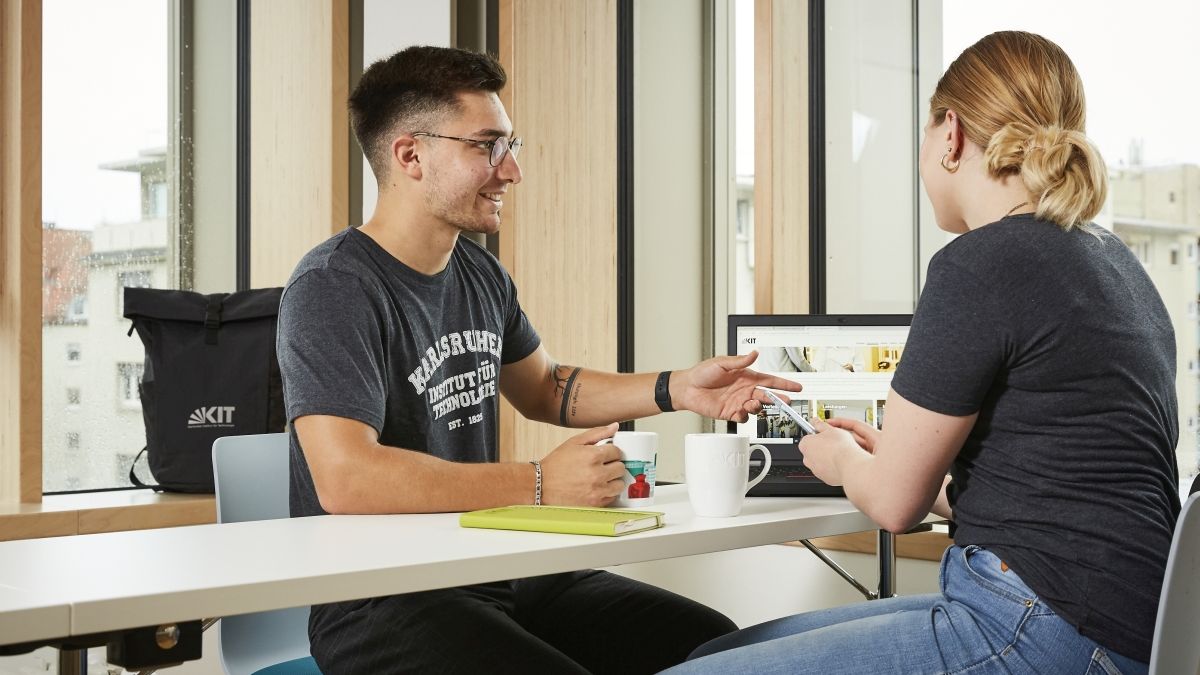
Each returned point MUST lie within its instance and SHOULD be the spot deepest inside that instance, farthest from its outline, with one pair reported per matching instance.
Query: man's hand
(724, 388)
(580, 473)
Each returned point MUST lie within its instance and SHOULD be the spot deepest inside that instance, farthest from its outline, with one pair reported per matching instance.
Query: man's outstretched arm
(723, 387)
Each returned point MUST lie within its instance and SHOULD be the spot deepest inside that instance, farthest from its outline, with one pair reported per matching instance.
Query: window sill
(90, 513)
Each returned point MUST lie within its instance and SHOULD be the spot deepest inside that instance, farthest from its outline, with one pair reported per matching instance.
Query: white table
(56, 588)
(25, 617)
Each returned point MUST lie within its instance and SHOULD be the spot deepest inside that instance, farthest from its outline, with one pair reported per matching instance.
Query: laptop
(845, 363)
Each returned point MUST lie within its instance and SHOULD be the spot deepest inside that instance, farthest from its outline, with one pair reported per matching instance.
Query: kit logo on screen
(211, 416)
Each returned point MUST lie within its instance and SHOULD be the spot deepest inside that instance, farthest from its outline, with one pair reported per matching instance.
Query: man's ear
(404, 157)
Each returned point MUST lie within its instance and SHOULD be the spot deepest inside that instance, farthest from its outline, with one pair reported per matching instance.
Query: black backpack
(210, 371)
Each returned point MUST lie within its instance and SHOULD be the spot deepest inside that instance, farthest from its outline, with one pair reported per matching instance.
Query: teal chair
(251, 476)
(1176, 649)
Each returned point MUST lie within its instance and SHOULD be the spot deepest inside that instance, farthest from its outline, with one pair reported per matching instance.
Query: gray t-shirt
(1061, 343)
(416, 357)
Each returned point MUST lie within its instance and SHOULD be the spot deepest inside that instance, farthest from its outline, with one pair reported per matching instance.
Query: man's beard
(439, 202)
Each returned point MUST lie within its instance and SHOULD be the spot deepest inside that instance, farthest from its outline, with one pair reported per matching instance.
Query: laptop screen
(844, 362)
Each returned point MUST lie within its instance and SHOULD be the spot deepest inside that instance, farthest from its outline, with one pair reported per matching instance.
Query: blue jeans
(985, 620)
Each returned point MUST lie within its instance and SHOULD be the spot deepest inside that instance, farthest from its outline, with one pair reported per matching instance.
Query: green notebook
(564, 519)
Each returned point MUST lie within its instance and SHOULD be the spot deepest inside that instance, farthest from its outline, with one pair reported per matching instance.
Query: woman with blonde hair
(1040, 375)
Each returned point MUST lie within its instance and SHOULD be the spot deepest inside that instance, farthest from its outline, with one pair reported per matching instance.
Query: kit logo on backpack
(206, 417)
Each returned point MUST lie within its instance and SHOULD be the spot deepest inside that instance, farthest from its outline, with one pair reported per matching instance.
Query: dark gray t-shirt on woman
(1061, 343)
(416, 357)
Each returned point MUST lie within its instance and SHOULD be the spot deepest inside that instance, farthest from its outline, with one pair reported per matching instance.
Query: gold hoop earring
(949, 169)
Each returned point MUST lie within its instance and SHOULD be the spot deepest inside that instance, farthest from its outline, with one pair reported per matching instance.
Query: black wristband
(662, 392)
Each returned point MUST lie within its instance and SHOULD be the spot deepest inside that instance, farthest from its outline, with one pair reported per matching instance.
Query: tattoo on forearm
(575, 399)
(566, 385)
(558, 375)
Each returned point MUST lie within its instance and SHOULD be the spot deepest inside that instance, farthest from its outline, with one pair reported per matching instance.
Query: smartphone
(791, 412)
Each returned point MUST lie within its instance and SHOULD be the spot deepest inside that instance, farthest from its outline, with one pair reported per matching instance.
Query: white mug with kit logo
(639, 454)
(718, 472)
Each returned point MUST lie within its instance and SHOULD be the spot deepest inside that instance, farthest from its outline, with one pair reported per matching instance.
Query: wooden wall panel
(20, 251)
(299, 172)
(559, 236)
(781, 157)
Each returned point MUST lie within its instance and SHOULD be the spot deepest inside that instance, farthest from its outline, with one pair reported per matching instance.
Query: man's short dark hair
(415, 88)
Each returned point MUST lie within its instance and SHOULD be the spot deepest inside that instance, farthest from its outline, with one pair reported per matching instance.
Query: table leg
(887, 564)
(72, 661)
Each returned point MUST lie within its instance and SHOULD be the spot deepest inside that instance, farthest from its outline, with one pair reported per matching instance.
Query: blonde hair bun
(1060, 168)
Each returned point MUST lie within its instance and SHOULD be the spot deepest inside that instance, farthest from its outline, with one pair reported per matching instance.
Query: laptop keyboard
(783, 473)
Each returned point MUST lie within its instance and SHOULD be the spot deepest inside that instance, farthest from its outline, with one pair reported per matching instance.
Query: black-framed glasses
(497, 148)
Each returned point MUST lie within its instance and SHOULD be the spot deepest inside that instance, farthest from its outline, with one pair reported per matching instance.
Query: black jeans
(577, 622)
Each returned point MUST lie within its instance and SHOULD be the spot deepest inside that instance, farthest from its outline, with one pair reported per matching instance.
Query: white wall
(388, 27)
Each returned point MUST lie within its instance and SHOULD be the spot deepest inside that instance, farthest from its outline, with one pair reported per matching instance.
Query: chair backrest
(1176, 647)
(251, 474)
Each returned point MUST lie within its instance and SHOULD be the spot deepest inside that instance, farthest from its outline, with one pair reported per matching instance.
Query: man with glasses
(392, 341)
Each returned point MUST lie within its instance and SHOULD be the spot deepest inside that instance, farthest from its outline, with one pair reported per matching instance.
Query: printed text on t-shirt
(459, 390)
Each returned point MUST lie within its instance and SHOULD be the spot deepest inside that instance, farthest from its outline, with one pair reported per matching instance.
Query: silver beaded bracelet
(537, 485)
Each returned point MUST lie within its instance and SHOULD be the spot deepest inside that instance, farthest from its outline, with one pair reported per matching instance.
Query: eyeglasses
(496, 148)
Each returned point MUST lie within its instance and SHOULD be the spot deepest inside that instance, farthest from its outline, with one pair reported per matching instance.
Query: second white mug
(639, 453)
(717, 467)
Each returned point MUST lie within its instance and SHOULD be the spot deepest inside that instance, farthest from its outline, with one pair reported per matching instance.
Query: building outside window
(128, 377)
(131, 279)
(77, 310)
(122, 461)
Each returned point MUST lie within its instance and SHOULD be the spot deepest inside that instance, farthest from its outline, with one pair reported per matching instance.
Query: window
(743, 160)
(871, 265)
(121, 463)
(133, 279)
(111, 213)
(159, 200)
(128, 377)
(77, 309)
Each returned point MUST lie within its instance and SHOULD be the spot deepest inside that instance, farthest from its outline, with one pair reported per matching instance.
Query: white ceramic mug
(639, 454)
(718, 472)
